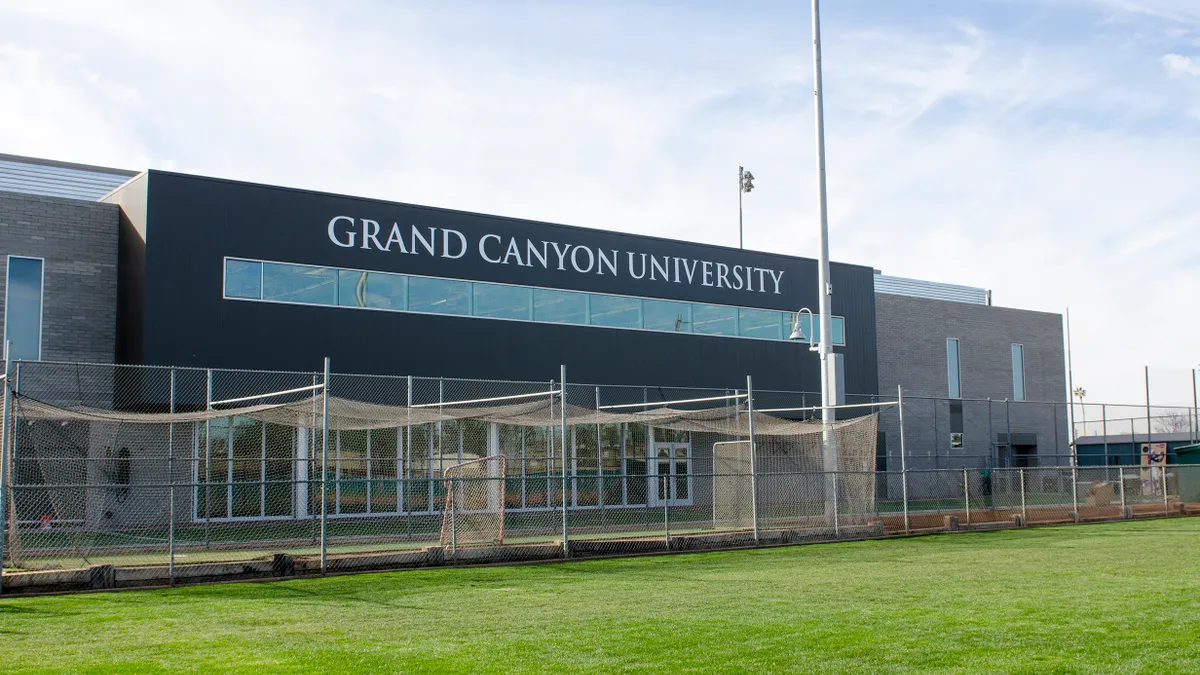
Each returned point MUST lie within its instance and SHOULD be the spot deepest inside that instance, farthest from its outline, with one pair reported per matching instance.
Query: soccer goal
(795, 485)
(733, 485)
(473, 514)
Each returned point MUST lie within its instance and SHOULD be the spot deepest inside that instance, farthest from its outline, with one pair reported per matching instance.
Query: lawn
(1118, 597)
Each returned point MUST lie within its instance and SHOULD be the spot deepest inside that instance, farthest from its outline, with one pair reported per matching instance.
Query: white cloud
(1181, 11)
(1181, 65)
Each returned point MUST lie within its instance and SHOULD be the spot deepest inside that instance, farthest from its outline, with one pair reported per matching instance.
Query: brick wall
(912, 335)
(78, 240)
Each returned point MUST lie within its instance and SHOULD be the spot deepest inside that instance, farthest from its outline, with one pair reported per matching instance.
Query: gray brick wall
(78, 240)
(912, 335)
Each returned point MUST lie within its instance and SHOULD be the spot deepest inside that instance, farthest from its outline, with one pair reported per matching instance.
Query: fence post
(1104, 430)
(1162, 471)
(1149, 423)
(562, 383)
(903, 459)
(967, 494)
(1121, 474)
(1024, 516)
(405, 501)
(837, 525)
(991, 436)
(1008, 444)
(753, 455)
(600, 466)
(171, 489)
(550, 460)
(666, 510)
(1075, 491)
(325, 468)
(1074, 459)
(208, 397)
(14, 442)
(450, 497)
(4, 463)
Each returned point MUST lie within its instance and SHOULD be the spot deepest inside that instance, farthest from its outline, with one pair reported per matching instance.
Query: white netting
(474, 509)
(733, 485)
(856, 468)
(795, 488)
(348, 414)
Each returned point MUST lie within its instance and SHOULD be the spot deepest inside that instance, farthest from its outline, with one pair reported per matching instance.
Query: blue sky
(1048, 150)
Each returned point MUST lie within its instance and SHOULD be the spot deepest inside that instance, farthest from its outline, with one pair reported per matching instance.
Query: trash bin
(1187, 472)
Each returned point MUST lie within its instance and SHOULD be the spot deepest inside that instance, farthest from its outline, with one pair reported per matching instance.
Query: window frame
(41, 297)
(1022, 393)
(225, 279)
(956, 383)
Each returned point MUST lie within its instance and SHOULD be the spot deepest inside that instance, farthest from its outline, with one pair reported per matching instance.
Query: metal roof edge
(22, 159)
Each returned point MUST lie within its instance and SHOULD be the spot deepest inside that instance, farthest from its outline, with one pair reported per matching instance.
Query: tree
(1172, 422)
(1079, 393)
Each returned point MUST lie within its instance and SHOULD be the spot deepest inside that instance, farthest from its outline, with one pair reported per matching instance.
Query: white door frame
(653, 477)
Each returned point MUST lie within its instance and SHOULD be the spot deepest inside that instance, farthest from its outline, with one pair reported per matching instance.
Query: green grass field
(1120, 597)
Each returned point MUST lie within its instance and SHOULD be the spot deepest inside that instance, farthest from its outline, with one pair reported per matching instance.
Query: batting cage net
(179, 471)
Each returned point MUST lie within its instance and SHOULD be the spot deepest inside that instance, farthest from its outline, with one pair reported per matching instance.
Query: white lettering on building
(497, 249)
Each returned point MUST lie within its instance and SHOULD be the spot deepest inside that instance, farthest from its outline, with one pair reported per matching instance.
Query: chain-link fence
(170, 475)
(1166, 418)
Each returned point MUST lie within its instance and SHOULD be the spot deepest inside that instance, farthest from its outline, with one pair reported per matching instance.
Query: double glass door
(671, 473)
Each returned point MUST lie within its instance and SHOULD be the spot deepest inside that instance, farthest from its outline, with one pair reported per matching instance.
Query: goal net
(795, 488)
(473, 513)
(856, 456)
(733, 485)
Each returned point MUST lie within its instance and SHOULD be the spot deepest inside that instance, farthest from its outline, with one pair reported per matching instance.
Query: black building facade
(227, 274)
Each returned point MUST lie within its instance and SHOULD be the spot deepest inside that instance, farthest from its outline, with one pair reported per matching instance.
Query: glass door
(671, 474)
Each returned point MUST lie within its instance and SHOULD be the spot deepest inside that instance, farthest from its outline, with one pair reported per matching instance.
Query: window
(956, 424)
(378, 290)
(953, 368)
(616, 311)
(23, 308)
(440, 296)
(243, 469)
(352, 288)
(762, 323)
(299, 283)
(668, 316)
(714, 319)
(811, 325)
(560, 306)
(315, 285)
(503, 302)
(1018, 372)
(387, 291)
(243, 279)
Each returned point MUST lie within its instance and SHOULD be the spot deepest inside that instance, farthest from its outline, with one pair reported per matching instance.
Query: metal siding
(56, 181)
(192, 223)
(931, 290)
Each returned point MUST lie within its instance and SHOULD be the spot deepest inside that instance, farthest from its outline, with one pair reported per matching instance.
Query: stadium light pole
(825, 288)
(745, 185)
